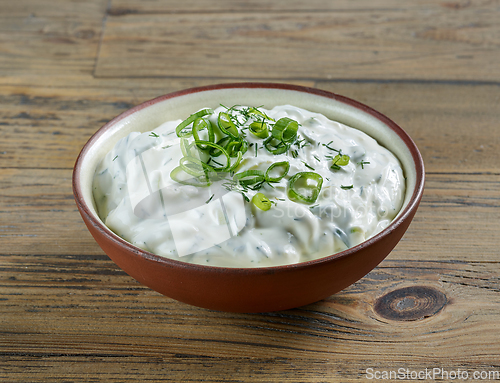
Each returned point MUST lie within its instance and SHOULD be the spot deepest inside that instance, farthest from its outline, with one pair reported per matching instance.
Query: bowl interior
(151, 114)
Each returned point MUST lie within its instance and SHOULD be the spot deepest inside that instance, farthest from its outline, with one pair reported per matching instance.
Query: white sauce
(137, 199)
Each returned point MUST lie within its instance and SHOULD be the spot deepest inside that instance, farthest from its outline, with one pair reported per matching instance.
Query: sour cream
(218, 225)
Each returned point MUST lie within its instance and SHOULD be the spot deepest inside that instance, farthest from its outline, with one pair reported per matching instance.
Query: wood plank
(50, 38)
(121, 7)
(386, 40)
(454, 126)
(256, 6)
(461, 210)
(47, 127)
(96, 324)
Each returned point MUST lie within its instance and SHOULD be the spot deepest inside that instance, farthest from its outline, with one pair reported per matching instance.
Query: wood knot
(410, 303)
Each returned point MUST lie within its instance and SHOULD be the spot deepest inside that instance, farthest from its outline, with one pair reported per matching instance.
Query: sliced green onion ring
(201, 124)
(236, 163)
(261, 201)
(284, 164)
(274, 146)
(195, 167)
(259, 129)
(184, 124)
(186, 148)
(200, 181)
(258, 112)
(340, 160)
(299, 182)
(249, 177)
(285, 130)
(233, 147)
(227, 125)
(222, 151)
(223, 142)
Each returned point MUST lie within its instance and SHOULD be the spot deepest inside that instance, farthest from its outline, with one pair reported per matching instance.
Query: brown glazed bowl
(249, 289)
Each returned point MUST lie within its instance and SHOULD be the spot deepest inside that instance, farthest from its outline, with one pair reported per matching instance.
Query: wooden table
(68, 314)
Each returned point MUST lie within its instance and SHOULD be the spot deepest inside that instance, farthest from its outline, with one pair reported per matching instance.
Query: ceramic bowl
(249, 289)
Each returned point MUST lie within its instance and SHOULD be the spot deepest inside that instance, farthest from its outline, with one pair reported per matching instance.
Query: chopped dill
(307, 165)
(363, 163)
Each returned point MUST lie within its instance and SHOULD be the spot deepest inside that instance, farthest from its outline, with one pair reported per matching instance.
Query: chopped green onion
(222, 151)
(261, 201)
(153, 134)
(186, 148)
(227, 125)
(258, 112)
(346, 187)
(274, 146)
(285, 130)
(340, 160)
(249, 177)
(184, 124)
(223, 142)
(236, 163)
(201, 181)
(259, 129)
(233, 147)
(195, 167)
(201, 124)
(308, 181)
(284, 164)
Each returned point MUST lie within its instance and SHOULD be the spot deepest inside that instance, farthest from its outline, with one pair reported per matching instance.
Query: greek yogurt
(174, 193)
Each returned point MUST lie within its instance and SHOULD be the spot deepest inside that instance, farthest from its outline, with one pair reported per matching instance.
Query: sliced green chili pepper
(301, 181)
(184, 124)
(249, 177)
(227, 125)
(261, 201)
(285, 130)
(268, 177)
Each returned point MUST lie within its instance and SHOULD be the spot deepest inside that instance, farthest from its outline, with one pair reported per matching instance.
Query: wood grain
(127, 328)
(381, 41)
(69, 314)
(61, 119)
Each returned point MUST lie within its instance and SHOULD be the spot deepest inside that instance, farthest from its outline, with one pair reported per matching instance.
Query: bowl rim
(127, 246)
